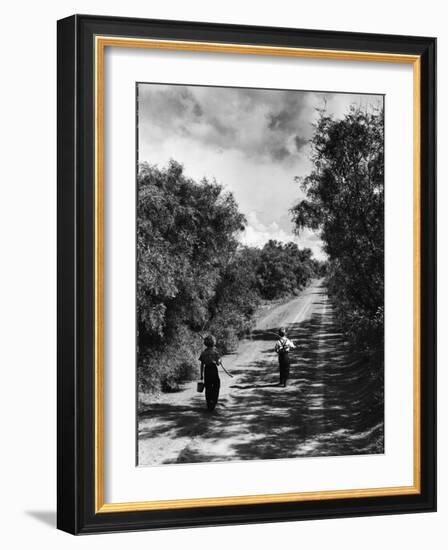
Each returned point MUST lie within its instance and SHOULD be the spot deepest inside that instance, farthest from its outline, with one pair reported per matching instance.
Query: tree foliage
(236, 299)
(345, 201)
(284, 269)
(186, 236)
(193, 276)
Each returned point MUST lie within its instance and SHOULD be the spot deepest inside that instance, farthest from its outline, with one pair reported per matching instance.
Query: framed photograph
(246, 274)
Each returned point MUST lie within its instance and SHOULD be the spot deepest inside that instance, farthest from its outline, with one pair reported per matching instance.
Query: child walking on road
(210, 360)
(282, 347)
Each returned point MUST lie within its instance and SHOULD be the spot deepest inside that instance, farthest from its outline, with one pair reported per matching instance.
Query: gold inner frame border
(101, 42)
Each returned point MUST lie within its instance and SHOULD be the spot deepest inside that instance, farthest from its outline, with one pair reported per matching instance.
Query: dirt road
(326, 408)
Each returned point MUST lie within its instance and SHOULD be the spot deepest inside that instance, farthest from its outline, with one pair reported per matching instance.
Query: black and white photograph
(222, 290)
(260, 274)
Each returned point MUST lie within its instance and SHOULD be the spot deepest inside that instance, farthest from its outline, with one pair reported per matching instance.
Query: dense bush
(186, 236)
(284, 269)
(165, 367)
(236, 300)
(345, 201)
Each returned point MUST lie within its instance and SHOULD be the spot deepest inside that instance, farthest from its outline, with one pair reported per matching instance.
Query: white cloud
(257, 234)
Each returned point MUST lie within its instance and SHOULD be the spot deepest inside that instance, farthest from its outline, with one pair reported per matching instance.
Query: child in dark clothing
(210, 359)
(282, 348)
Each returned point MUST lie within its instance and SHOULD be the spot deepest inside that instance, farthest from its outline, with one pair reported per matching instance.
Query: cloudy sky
(253, 142)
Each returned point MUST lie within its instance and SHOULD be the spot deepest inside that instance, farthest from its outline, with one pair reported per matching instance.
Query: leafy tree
(186, 236)
(283, 269)
(345, 201)
(236, 299)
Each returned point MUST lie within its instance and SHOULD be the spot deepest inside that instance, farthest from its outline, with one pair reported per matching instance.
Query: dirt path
(320, 412)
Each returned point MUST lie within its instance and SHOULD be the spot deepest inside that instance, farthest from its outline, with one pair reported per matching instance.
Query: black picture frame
(76, 285)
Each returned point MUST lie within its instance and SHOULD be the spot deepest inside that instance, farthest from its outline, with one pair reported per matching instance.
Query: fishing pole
(265, 332)
(225, 370)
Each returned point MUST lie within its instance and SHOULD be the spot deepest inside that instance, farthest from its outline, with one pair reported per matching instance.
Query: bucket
(200, 387)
